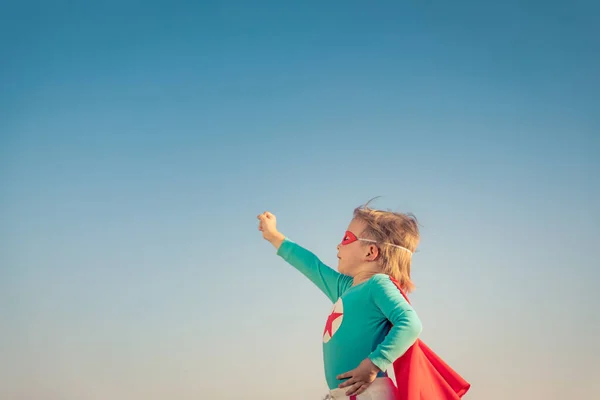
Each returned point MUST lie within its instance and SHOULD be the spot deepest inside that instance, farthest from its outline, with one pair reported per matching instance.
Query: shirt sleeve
(406, 325)
(331, 282)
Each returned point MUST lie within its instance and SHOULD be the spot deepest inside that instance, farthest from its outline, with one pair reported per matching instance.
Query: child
(371, 323)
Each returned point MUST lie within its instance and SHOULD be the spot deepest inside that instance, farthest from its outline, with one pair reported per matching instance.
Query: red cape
(423, 375)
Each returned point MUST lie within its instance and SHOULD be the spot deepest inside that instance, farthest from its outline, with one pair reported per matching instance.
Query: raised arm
(329, 281)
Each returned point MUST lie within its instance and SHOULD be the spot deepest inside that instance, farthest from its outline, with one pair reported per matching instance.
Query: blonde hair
(395, 228)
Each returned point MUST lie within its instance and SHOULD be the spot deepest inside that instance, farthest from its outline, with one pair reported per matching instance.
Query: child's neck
(364, 276)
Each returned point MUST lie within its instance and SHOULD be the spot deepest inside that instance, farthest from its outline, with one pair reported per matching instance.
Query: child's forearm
(331, 282)
(400, 338)
(277, 239)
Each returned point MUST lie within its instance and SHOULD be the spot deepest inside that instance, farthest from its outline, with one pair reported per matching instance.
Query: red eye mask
(349, 237)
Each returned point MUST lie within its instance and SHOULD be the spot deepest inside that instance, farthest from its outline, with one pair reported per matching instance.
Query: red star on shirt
(328, 326)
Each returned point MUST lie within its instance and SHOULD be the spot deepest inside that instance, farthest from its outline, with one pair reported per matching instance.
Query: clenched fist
(268, 226)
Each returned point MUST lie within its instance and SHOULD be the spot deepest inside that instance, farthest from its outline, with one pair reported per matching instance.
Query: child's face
(353, 255)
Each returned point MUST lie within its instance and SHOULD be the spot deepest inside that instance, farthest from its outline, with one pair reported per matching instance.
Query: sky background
(139, 140)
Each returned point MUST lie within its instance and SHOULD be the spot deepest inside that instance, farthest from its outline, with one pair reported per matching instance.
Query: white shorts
(380, 389)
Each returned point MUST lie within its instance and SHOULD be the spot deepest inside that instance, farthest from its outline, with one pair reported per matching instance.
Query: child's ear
(372, 253)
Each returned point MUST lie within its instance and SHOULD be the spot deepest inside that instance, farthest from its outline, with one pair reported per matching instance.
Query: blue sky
(139, 140)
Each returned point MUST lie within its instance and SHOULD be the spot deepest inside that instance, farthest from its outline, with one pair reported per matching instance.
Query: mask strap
(389, 244)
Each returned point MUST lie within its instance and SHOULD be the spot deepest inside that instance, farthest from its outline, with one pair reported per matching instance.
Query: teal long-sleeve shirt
(371, 319)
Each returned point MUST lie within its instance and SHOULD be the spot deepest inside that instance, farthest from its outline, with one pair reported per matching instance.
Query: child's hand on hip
(360, 377)
(268, 227)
